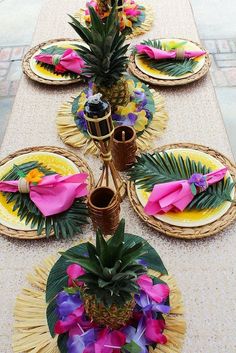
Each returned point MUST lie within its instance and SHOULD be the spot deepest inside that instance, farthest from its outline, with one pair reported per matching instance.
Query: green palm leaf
(168, 66)
(64, 225)
(156, 168)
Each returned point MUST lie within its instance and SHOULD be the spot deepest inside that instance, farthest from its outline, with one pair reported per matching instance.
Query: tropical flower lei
(137, 113)
(133, 14)
(84, 336)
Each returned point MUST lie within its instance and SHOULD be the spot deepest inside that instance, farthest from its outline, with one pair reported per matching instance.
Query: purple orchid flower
(142, 262)
(140, 98)
(128, 121)
(80, 121)
(90, 89)
(67, 303)
(147, 304)
(199, 180)
(137, 335)
(77, 343)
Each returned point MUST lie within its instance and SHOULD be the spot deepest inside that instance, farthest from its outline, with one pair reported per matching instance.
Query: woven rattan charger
(175, 82)
(187, 232)
(28, 71)
(82, 165)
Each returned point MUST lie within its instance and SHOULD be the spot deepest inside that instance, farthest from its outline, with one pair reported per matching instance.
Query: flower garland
(133, 15)
(137, 113)
(84, 336)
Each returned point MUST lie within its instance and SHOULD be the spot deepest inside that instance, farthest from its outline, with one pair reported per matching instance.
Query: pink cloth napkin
(54, 193)
(177, 195)
(68, 61)
(159, 54)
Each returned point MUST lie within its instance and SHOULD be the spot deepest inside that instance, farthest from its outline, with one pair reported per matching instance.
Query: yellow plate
(57, 163)
(41, 71)
(145, 68)
(191, 218)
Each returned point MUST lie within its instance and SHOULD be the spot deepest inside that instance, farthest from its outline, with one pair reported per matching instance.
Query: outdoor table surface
(204, 269)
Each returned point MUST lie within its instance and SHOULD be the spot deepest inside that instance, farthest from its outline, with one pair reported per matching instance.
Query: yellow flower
(141, 121)
(129, 108)
(34, 176)
(82, 101)
(133, 87)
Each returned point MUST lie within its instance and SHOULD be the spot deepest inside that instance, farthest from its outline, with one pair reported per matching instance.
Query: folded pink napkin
(68, 61)
(177, 195)
(159, 54)
(54, 193)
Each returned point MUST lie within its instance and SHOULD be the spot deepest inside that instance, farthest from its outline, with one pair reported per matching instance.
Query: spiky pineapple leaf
(151, 258)
(105, 57)
(156, 168)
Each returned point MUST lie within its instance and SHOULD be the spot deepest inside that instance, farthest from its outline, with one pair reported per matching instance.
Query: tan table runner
(204, 269)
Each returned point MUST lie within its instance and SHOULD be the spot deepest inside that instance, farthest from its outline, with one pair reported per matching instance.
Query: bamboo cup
(104, 209)
(124, 147)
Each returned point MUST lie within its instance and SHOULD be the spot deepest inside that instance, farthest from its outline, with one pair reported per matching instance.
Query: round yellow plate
(145, 68)
(41, 71)
(191, 218)
(57, 163)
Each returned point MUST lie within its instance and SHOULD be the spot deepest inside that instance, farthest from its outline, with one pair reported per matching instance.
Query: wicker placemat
(178, 82)
(187, 232)
(137, 31)
(31, 333)
(27, 69)
(82, 165)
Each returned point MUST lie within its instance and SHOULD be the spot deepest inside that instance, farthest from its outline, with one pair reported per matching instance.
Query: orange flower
(34, 176)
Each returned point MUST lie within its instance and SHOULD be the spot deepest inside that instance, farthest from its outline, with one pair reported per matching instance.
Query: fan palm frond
(157, 168)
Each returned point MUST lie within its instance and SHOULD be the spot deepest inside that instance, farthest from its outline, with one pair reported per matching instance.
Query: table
(204, 269)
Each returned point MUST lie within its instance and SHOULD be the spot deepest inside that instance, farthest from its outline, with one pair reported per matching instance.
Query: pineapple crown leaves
(105, 55)
(111, 267)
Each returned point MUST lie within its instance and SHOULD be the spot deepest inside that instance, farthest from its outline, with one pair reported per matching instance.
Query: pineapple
(110, 279)
(105, 56)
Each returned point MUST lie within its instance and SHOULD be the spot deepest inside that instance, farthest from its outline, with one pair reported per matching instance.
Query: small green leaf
(193, 189)
(131, 347)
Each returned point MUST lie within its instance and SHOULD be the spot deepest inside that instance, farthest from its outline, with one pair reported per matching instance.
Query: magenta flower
(154, 331)
(107, 342)
(69, 321)
(74, 271)
(157, 292)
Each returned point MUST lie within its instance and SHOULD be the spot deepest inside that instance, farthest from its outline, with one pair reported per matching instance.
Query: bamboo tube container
(104, 209)
(124, 147)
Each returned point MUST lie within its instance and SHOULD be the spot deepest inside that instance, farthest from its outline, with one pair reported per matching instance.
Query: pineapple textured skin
(113, 317)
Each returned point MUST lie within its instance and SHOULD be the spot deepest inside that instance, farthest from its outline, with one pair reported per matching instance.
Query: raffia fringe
(31, 334)
(71, 135)
(137, 31)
